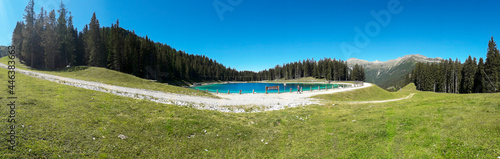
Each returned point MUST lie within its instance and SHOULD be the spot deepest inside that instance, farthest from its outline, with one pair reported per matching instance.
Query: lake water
(261, 87)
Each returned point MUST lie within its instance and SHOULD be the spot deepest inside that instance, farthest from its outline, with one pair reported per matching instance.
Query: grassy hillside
(103, 75)
(409, 88)
(56, 120)
(390, 78)
(368, 94)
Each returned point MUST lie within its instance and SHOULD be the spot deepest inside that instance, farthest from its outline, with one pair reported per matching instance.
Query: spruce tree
(116, 48)
(94, 43)
(492, 66)
(479, 78)
(37, 60)
(66, 49)
(17, 37)
(29, 32)
(468, 72)
(355, 73)
(72, 43)
(51, 41)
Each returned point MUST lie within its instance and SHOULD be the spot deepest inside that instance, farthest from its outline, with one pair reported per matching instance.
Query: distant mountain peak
(389, 73)
(416, 57)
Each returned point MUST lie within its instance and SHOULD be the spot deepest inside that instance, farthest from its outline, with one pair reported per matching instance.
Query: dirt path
(380, 101)
(229, 102)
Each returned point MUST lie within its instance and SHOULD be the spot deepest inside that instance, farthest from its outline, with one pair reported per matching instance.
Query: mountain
(390, 73)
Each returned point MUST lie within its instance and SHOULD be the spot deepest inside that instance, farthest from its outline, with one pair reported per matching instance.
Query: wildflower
(123, 137)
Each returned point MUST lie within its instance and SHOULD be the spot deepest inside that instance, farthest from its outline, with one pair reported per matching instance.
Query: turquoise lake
(261, 87)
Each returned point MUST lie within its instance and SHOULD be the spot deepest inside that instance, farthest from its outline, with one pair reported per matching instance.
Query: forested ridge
(4, 51)
(44, 41)
(455, 77)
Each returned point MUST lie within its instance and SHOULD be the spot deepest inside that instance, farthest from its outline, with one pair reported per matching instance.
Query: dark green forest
(455, 77)
(47, 41)
(4, 51)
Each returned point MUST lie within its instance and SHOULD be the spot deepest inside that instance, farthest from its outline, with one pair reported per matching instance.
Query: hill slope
(367, 94)
(390, 73)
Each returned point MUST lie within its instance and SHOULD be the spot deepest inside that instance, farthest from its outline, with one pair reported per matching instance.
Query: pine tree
(492, 66)
(29, 33)
(438, 78)
(329, 70)
(130, 54)
(85, 39)
(479, 78)
(66, 49)
(443, 80)
(305, 67)
(17, 37)
(73, 42)
(355, 73)
(450, 76)
(94, 43)
(468, 72)
(80, 49)
(51, 41)
(37, 60)
(116, 44)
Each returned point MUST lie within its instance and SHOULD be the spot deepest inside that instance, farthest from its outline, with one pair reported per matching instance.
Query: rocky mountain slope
(390, 73)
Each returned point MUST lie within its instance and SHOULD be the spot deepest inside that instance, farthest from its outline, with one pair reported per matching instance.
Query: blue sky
(258, 34)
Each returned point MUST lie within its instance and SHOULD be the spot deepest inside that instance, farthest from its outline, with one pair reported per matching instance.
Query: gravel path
(229, 103)
(380, 101)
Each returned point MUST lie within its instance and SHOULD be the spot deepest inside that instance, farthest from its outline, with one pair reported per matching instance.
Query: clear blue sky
(258, 34)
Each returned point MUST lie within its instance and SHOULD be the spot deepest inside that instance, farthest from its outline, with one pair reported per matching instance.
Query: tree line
(47, 41)
(327, 68)
(455, 77)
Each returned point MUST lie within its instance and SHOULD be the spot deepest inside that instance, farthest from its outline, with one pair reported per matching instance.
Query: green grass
(61, 120)
(103, 75)
(409, 88)
(368, 94)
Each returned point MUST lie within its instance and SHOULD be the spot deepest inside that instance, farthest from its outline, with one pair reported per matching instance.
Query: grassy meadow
(368, 94)
(56, 120)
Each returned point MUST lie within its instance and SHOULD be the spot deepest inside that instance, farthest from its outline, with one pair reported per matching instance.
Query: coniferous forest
(50, 41)
(455, 77)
